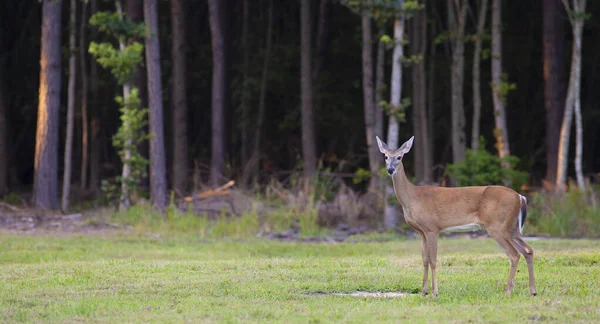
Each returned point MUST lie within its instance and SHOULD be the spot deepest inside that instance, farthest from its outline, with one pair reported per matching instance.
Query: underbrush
(569, 215)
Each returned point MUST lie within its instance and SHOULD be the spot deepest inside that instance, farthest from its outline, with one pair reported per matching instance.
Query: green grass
(182, 278)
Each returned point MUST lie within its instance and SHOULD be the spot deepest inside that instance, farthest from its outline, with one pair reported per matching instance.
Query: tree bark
(368, 100)
(4, 142)
(70, 107)
(95, 140)
(309, 153)
(84, 96)
(458, 14)
(45, 186)
(322, 38)
(244, 104)
(572, 101)
(158, 178)
(555, 80)
(481, 17)
(218, 91)
(124, 201)
(390, 213)
(135, 11)
(379, 90)
(501, 131)
(423, 154)
(180, 147)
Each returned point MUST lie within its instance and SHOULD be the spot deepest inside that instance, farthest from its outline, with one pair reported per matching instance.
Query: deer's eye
(399, 158)
(386, 157)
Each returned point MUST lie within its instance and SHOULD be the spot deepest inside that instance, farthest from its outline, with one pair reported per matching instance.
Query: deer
(429, 210)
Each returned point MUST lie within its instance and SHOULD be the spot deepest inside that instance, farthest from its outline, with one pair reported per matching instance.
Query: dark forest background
(336, 46)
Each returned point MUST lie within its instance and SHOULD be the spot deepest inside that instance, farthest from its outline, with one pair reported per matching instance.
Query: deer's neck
(405, 190)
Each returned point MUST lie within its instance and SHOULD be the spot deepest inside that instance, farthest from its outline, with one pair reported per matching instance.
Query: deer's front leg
(425, 265)
(432, 241)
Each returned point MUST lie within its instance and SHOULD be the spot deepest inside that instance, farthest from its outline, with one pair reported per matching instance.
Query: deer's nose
(390, 171)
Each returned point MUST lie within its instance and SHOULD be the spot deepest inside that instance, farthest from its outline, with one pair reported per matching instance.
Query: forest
(124, 102)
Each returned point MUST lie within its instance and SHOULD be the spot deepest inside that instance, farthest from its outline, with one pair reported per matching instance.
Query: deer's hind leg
(432, 245)
(425, 256)
(527, 252)
(513, 257)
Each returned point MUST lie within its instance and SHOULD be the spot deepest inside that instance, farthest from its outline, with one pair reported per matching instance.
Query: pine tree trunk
(309, 153)
(84, 96)
(45, 186)
(457, 85)
(501, 131)
(390, 213)
(4, 142)
(218, 92)
(555, 79)
(379, 90)
(244, 104)
(70, 107)
(368, 100)
(260, 119)
(124, 200)
(573, 102)
(95, 139)
(481, 17)
(180, 147)
(158, 178)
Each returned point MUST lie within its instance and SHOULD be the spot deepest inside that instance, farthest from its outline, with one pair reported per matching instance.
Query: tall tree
(498, 90)
(309, 152)
(245, 96)
(379, 86)
(179, 103)
(368, 98)
(457, 14)
(576, 12)
(555, 79)
(45, 185)
(217, 164)
(481, 17)
(423, 153)
(390, 213)
(84, 95)
(95, 134)
(321, 50)
(3, 133)
(158, 177)
(70, 106)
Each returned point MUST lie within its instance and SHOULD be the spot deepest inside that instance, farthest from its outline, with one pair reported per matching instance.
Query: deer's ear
(407, 145)
(383, 148)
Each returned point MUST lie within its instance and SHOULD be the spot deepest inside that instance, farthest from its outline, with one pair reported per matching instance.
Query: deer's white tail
(522, 213)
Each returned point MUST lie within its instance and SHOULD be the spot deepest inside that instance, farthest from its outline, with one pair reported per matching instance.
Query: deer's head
(394, 156)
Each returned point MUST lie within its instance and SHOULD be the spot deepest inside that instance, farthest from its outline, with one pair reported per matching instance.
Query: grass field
(145, 278)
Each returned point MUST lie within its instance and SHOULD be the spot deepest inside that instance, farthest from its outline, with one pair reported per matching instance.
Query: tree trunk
(218, 92)
(379, 90)
(475, 133)
(4, 142)
(135, 11)
(458, 12)
(84, 95)
(95, 140)
(180, 147)
(368, 100)
(158, 177)
(70, 107)
(322, 38)
(390, 213)
(124, 201)
(253, 163)
(501, 131)
(555, 80)
(431, 86)
(573, 101)
(309, 153)
(45, 186)
(423, 153)
(244, 104)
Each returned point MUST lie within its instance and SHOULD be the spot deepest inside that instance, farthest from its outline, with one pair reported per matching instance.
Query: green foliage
(361, 175)
(397, 111)
(122, 64)
(111, 24)
(480, 168)
(565, 215)
(504, 87)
